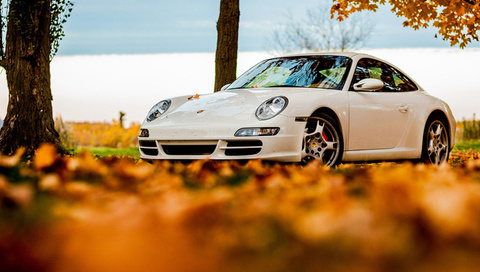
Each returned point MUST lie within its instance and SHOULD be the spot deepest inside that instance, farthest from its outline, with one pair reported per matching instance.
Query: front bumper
(217, 142)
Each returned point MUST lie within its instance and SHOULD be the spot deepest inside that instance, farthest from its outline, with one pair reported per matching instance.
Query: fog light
(257, 132)
(144, 133)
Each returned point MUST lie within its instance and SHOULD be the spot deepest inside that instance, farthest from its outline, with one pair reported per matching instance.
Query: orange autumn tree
(457, 20)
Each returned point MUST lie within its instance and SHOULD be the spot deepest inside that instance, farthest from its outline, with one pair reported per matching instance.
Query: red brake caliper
(325, 137)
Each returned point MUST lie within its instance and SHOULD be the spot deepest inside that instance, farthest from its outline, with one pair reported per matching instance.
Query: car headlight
(159, 109)
(271, 108)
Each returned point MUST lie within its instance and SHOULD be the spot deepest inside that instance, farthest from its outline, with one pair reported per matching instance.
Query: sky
(166, 26)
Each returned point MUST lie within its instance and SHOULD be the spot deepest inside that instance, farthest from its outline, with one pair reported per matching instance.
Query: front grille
(243, 148)
(188, 149)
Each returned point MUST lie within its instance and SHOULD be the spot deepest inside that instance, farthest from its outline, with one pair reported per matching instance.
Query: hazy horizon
(97, 87)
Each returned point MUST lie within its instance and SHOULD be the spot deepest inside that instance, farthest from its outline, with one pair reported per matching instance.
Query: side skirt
(382, 154)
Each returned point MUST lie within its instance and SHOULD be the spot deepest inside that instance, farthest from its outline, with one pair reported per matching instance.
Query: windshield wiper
(284, 85)
(274, 86)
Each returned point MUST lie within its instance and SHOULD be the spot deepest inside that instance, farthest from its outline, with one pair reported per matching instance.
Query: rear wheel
(436, 147)
(322, 140)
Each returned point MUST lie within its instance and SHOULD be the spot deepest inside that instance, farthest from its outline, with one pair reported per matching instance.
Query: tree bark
(227, 43)
(29, 120)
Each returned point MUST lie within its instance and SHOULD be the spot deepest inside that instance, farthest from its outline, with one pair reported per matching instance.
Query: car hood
(220, 103)
(231, 106)
(208, 107)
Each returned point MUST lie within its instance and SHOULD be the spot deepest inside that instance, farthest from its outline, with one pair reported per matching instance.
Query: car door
(378, 119)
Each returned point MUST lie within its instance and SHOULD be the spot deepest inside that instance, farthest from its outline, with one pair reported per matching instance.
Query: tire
(322, 140)
(436, 141)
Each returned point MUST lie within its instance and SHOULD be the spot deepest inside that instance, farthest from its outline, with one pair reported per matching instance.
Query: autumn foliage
(104, 134)
(458, 21)
(82, 213)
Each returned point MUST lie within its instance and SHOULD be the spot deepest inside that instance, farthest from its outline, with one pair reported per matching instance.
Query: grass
(107, 151)
(466, 145)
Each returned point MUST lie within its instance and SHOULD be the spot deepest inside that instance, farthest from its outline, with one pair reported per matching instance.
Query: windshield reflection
(326, 72)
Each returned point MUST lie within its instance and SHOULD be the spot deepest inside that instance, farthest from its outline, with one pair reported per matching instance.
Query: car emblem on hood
(200, 111)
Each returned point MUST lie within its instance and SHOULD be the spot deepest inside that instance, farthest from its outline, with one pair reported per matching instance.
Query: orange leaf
(194, 97)
(11, 161)
(45, 156)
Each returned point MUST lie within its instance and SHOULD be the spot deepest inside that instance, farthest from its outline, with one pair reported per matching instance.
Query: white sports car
(333, 107)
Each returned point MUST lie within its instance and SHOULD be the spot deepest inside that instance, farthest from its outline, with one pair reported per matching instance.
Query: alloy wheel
(321, 141)
(437, 143)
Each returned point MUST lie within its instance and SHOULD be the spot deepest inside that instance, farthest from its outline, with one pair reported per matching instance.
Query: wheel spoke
(437, 158)
(318, 129)
(431, 150)
(331, 145)
(443, 147)
(431, 147)
(438, 133)
(319, 155)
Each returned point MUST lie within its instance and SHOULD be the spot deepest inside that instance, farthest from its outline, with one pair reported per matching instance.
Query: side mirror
(368, 84)
(225, 87)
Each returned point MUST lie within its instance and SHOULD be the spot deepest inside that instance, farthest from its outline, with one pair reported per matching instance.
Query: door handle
(403, 108)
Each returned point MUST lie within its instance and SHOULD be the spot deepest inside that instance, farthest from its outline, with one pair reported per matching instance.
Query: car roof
(345, 54)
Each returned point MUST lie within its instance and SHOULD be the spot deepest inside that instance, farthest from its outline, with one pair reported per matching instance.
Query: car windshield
(327, 72)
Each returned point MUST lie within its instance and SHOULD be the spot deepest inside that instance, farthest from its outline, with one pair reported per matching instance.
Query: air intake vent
(244, 143)
(149, 151)
(188, 149)
(144, 143)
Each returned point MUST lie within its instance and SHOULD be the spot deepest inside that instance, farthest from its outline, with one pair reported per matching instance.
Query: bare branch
(317, 32)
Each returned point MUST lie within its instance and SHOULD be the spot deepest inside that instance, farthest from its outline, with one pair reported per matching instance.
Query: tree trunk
(29, 120)
(227, 43)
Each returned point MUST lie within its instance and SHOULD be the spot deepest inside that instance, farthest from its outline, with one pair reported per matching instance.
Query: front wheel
(322, 140)
(436, 147)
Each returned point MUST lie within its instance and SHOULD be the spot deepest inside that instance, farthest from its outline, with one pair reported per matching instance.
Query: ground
(90, 213)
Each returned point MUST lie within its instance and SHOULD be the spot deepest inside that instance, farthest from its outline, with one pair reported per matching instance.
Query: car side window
(394, 80)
